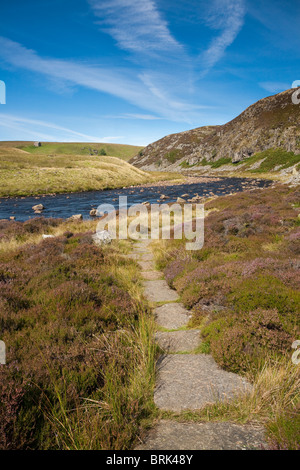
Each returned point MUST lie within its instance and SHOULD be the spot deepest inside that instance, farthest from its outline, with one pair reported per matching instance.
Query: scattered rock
(47, 236)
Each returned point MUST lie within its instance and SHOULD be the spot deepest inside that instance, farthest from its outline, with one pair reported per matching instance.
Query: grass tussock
(243, 290)
(79, 338)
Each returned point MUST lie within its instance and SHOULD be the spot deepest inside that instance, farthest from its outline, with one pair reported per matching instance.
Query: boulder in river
(93, 212)
(180, 199)
(38, 207)
(75, 217)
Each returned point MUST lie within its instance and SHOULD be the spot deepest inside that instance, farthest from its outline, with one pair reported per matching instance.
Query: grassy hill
(125, 152)
(23, 174)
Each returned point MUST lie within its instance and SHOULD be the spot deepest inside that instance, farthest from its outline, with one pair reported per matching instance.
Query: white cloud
(275, 87)
(136, 25)
(144, 117)
(18, 122)
(228, 17)
(139, 90)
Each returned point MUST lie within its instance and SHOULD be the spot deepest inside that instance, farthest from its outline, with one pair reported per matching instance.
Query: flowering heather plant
(59, 299)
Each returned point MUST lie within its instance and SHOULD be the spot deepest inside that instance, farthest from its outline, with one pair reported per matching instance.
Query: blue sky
(132, 71)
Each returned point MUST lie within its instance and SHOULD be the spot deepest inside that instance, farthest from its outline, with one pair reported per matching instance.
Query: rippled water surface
(65, 205)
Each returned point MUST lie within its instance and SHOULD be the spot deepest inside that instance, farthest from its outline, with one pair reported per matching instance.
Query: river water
(65, 205)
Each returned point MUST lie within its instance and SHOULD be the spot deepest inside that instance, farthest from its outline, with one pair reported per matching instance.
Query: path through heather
(187, 380)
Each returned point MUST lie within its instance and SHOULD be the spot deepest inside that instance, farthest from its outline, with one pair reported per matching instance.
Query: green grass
(215, 164)
(272, 158)
(173, 155)
(125, 152)
(220, 162)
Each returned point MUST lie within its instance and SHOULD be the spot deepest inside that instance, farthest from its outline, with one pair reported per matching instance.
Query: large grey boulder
(102, 238)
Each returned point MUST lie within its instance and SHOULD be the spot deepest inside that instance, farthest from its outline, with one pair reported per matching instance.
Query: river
(65, 205)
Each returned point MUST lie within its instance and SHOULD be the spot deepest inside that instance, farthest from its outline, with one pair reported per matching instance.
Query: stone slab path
(159, 291)
(178, 341)
(171, 316)
(187, 381)
(170, 435)
(190, 382)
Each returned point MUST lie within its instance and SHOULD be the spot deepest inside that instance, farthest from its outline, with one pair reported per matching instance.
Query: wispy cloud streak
(136, 25)
(18, 122)
(135, 88)
(228, 17)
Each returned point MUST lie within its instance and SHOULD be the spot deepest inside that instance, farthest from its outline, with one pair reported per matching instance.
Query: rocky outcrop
(273, 122)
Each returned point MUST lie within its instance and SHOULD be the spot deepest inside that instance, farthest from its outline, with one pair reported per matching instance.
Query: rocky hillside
(273, 122)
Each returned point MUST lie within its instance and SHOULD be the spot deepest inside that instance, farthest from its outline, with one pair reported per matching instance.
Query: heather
(243, 287)
(80, 357)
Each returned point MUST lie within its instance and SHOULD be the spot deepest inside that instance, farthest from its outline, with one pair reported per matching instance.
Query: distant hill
(271, 123)
(25, 174)
(125, 152)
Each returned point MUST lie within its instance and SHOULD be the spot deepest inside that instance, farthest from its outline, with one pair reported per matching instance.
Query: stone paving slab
(146, 265)
(140, 249)
(142, 243)
(190, 382)
(171, 435)
(152, 275)
(172, 316)
(159, 291)
(147, 256)
(135, 256)
(178, 341)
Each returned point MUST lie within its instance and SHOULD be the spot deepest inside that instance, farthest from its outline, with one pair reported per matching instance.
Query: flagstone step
(178, 341)
(171, 316)
(192, 381)
(152, 275)
(171, 435)
(159, 291)
(146, 265)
